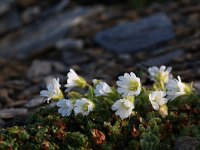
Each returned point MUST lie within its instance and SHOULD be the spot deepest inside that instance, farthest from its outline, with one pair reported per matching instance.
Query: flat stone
(43, 68)
(36, 101)
(139, 35)
(197, 86)
(186, 143)
(13, 112)
(73, 58)
(31, 14)
(2, 123)
(69, 44)
(10, 21)
(163, 59)
(39, 36)
(5, 6)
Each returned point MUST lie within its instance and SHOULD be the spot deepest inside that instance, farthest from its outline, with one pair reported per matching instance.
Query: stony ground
(42, 40)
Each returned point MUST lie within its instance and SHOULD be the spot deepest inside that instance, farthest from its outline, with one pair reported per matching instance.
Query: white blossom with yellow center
(157, 99)
(53, 91)
(129, 85)
(161, 74)
(66, 107)
(74, 80)
(83, 106)
(102, 89)
(123, 107)
(176, 88)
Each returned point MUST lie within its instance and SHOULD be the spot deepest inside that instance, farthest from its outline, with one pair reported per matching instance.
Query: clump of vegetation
(129, 117)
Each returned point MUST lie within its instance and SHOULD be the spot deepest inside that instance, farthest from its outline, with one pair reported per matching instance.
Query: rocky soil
(40, 40)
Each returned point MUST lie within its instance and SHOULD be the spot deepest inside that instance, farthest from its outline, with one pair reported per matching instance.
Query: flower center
(81, 82)
(124, 106)
(85, 107)
(133, 85)
(162, 76)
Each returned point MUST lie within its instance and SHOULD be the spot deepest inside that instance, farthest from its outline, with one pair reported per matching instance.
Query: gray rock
(31, 14)
(9, 21)
(39, 68)
(186, 143)
(61, 6)
(69, 44)
(5, 6)
(197, 86)
(13, 112)
(73, 58)
(36, 38)
(163, 59)
(140, 35)
(43, 68)
(36, 101)
(2, 123)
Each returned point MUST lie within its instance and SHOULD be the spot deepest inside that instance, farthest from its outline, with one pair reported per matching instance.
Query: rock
(134, 36)
(61, 6)
(13, 112)
(43, 34)
(163, 59)
(4, 97)
(73, 58)
(186, 143)
(36, 101)
(27, 3)
(9, 21)
(69, 44)
(2, 123)
(43, 68)
(39, 68)
(31, 14)
(197, 86)
(5, 6)
(33, 90)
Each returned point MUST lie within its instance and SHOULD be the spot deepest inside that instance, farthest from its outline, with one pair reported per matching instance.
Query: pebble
(69, 44)
(163, 59)
(42, 68)
(31, 14)
(13, 112)
(9, 21)
(36, 101)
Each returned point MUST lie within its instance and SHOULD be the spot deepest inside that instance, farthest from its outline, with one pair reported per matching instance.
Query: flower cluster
(124, 98)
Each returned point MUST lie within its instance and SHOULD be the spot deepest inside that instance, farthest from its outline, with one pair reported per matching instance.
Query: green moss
(46, 129)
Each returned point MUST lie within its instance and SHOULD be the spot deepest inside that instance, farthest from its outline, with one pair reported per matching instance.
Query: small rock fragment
(42, 68)
(31, 14)
(163, 59)
(69, 44)
(9, 21)
(13, 112)
(36, 101)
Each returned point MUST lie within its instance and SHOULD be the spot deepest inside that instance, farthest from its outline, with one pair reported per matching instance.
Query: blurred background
(40, 40)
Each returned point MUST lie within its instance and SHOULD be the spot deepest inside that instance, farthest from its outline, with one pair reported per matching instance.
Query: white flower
(74, 80)
(157, 99)
(66, 107)
(83, 106)
(129, 85)
(102, 89)
(176, 88)
(161, 74)
(123, 108)
(53, 91)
